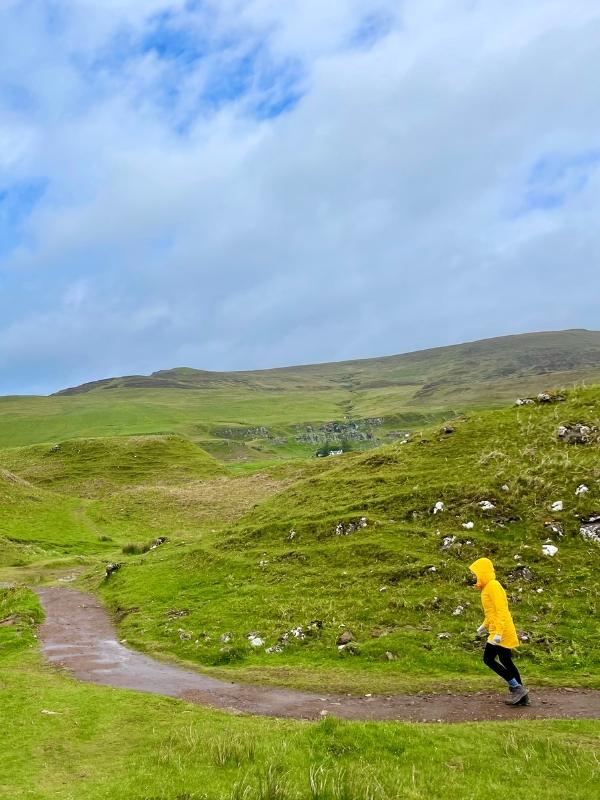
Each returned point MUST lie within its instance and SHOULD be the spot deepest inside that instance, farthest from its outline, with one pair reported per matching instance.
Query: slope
(301, 568)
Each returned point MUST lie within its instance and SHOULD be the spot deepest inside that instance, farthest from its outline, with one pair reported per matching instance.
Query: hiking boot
(524, 701)
(517, 695)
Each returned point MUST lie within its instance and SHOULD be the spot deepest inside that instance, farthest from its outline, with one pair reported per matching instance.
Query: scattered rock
(525, 401)
(505, 487)
(447, 429)
(291, 535)
(112, 568)
(468, 526)
(590, 530)
(438, 507)
(275, 648)
(549, 549)
(555, 527)
(558, 505)
(351, 527)
(447, 542)
(184, 635)
(255, 640)
(173, 613)
(444, 635)
(157, 542)
(523, 572)
(486, 505)
(579, 433)
(345, 638)
(389, 656)
(263, 563)
(546, 397)
(458, 611)
(581, 489)
(225, 638)
(523, 637)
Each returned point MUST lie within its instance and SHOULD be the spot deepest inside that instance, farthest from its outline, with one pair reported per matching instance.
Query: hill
(277, 414)
(358, 548)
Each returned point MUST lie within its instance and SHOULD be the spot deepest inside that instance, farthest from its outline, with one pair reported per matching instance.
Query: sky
(239, 184)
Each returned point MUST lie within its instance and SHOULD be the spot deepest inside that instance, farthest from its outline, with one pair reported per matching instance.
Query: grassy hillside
(62, 744)
(400, 584)
(91, 466)
(282, 413)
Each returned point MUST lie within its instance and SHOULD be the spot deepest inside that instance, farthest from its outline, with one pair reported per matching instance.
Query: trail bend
(79, 636)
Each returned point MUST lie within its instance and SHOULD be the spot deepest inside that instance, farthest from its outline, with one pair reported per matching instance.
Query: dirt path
(79, 636)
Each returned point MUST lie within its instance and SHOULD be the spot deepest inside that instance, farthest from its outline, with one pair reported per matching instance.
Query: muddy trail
(79, 636)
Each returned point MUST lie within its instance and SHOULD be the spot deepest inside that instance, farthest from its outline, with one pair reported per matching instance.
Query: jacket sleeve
(501, 613)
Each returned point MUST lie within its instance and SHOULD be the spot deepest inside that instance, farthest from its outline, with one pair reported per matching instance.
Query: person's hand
(497, 638)
(481, 630)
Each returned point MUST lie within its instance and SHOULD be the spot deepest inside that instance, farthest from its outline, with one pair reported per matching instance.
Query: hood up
(484, 572)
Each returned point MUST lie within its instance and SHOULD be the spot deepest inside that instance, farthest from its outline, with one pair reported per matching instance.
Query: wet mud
(79, 636)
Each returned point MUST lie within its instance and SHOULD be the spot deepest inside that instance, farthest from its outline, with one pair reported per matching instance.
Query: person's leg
(505, 658)
(489, 659)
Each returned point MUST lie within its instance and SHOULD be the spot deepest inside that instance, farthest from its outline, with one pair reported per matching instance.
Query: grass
(62, 739)
(393, 584)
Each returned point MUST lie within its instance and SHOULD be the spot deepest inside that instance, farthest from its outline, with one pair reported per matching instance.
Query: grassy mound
(93, 466)
(400, 583)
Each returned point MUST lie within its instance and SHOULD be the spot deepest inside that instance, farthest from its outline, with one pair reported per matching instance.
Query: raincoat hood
(484, 572)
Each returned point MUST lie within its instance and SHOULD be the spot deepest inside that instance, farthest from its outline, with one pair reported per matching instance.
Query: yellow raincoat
(495, 605)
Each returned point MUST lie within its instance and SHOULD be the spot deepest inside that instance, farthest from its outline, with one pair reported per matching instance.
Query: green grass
(378, 582)
(88, 467)
(68, 741)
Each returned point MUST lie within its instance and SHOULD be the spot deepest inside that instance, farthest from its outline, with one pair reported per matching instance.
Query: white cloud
(386, 211)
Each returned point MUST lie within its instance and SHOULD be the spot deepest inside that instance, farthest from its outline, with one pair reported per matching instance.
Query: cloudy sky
(233, 184)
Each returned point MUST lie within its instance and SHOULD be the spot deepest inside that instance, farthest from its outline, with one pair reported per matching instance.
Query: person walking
(502, 636)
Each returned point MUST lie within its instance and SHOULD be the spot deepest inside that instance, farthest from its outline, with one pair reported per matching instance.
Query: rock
(255, 640)
(555, 527)
(112, 568)
(345, 638)
(525, 401)
(263, 563)
(579, 433)
(523, 573)
(157, 542)
(444, 635)
(549, 549)
(505, 487)
(523, 637)
(173, 613)
(547, 397)
(276, 648)
(448, 429)
(184, 635)
(438, 507)
(54, 449)
(458, 611)
(291, 535)
(486, 505)
(558, 505)
(225, 638)
(581, 489)
(591, 530)
(389, 656)
(448, 541)
(468, 526)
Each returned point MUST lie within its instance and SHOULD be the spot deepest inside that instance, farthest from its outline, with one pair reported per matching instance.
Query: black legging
(506, 668)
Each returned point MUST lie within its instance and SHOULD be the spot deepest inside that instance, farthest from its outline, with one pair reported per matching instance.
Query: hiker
(499, 625)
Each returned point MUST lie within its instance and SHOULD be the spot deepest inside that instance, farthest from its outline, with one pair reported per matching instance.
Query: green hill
(400, 583)
(92, 466)
(288, 412)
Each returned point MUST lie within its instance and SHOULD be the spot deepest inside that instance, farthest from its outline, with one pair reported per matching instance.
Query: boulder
(578, 433)
(345, 638)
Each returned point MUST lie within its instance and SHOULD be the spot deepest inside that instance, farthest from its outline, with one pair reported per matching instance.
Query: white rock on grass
(468, 526)
(438, 507)
(505, 487)
(486, 505)
(549, 549)
(581, 489)
(255, 640)
(558, 505)
(458, 611)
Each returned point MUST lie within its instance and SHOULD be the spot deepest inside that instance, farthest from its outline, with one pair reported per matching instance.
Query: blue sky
(250, 183)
